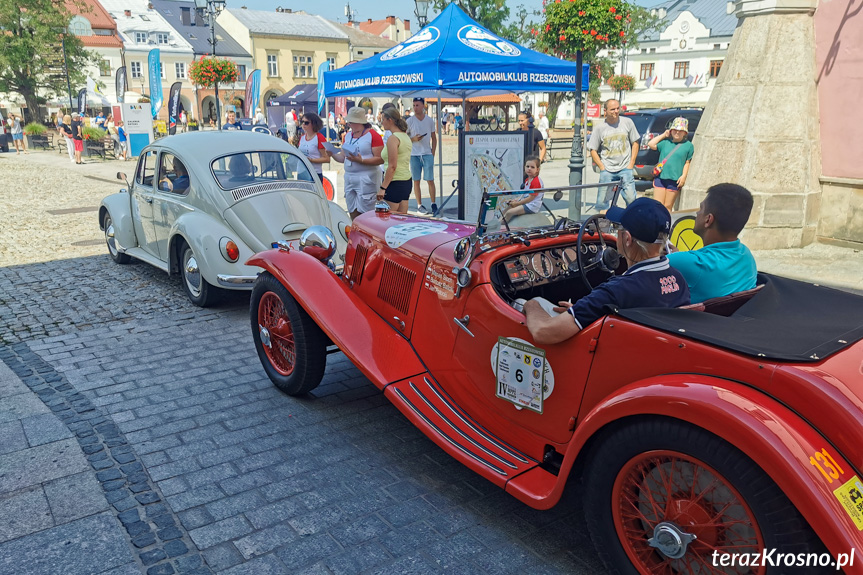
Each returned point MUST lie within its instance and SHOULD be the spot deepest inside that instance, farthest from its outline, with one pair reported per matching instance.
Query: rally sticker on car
(520, 371)
(401, 233)
(850, 495)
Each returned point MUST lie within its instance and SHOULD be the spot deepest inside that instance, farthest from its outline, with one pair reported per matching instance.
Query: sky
(374, 9)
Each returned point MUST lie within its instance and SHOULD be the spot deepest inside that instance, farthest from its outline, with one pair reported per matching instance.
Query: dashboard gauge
(570, 256)
(542, 265)
(592, 248)
(556, 253)
(584, 249)
(524, 261)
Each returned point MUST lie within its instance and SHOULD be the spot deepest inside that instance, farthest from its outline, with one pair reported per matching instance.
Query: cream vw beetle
(200, 204)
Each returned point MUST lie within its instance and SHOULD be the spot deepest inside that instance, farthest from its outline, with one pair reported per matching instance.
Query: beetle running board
(429, 408)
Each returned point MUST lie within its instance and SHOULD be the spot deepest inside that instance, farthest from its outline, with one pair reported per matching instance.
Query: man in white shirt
(259, 117)
(543, 126)
(421, 129)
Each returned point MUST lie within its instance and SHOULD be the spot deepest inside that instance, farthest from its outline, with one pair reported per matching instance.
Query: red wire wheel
(291, 346)
(281, 351)
(661, 496)
(661, 499)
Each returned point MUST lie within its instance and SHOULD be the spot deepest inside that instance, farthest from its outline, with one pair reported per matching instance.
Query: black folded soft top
(787, 320)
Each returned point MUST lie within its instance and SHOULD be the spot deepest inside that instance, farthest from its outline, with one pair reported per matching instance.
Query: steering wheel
(607, 259)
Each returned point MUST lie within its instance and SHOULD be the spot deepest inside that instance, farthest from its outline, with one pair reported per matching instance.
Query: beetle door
(169, 201)
(142, 203)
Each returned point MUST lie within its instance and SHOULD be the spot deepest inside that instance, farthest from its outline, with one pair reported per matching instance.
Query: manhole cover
(73, 210)
(88, 243)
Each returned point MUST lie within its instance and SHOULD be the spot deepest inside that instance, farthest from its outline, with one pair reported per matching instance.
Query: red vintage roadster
(720, 438)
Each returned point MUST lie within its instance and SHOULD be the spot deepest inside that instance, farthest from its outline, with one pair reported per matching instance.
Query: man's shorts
(361, 190)
(422, 166)
(79, 145)
(18, 136)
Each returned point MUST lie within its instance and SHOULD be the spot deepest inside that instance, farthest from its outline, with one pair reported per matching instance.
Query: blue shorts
(422, 166)
(666, 184)
(17, 136)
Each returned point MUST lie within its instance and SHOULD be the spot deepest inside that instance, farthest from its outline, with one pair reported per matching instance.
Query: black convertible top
(787, 320)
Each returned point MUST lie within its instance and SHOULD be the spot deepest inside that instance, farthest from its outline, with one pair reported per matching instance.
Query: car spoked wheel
(665, 497)
(291, 346)
(277, 337)
(671, 511)
(110, 240)
(196, 287)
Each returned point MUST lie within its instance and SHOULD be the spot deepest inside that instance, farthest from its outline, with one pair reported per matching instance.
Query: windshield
(238, 170)
(540, 208)
(641, 121)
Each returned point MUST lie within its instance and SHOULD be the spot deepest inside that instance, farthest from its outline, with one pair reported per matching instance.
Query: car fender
(203, 233)
(339, 219)
(773, 436)
(375, 347)
(120, 207)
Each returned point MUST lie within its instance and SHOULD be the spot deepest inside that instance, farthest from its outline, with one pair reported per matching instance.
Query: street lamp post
(212, 8)
(66, 68)
(576, 155)
(422, 11)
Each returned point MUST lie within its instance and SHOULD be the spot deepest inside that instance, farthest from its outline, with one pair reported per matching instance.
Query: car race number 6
(520, 374)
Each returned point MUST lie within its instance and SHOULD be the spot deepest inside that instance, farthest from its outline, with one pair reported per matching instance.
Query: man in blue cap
(650, 281)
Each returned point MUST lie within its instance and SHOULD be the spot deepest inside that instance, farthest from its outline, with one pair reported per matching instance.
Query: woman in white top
(361, 154)
(312, 141)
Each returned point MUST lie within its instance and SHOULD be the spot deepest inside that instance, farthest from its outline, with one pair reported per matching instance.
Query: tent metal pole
(440, 191)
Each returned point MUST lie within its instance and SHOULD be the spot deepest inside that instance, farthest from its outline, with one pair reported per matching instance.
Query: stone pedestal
(760, 127)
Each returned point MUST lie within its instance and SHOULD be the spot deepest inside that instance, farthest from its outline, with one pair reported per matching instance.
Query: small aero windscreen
(250, 168)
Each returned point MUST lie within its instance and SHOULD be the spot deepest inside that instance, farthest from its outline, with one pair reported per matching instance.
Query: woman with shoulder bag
(675, 153)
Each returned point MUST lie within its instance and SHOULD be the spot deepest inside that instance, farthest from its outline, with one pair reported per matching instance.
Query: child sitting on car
(527, 203)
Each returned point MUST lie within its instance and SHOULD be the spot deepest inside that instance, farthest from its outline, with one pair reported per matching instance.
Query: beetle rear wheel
(662, 496)
(291, 346)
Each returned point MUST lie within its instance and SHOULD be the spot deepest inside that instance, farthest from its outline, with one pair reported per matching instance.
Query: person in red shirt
(529, 203)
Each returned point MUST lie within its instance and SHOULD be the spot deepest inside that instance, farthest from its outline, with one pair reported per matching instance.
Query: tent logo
(414, 44)
(479, 39)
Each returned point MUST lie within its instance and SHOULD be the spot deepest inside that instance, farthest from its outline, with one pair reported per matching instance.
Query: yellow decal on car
(683, 236)
(850, 495)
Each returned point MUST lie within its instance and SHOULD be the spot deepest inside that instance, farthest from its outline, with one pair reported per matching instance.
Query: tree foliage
(491, 14)
(31, 56)
(520, 29)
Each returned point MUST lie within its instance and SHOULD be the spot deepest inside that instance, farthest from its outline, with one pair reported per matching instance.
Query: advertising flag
(82, 101)
(322, 98)
(689, 80)
(253, 92)
(120, 84)
(93, 89)
(155, 73)
(174, 107)
(341, 106)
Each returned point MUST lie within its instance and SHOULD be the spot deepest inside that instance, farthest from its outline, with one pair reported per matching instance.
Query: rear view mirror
(121, 176)
(558, 195)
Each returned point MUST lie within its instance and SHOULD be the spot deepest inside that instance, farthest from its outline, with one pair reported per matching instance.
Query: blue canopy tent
(453, 56)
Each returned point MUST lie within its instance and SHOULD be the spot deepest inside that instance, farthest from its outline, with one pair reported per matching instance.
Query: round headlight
(319, 242)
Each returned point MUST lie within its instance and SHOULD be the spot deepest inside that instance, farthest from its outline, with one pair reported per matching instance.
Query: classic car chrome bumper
(235, 281)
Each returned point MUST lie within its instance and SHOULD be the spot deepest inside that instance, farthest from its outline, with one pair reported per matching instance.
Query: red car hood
(416, 235)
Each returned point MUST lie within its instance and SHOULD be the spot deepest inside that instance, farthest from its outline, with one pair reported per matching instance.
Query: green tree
(491, 14)
(519, 30)
(31, 57)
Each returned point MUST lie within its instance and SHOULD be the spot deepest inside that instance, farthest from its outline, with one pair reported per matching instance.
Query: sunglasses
(306, 122)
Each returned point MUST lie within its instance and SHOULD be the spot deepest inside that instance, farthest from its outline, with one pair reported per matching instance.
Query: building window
(681, 70)
(653, 50)
(162, 70)
(180, 69)
(359, 52)
(303, 66)
(272, 65)
(140, 37)
(241, 73)
(105, 67)
(646, 71)
(715, 65)
(136, 69)
(331, 58)
(80, 26)
(162, 38)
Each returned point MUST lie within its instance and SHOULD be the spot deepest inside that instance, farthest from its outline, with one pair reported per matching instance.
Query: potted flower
(210, 70)
(622, 82)
(36, 135)
(92, 140)
(192, 124)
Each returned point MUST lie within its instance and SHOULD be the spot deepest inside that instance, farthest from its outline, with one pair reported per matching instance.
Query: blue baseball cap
(645, 219)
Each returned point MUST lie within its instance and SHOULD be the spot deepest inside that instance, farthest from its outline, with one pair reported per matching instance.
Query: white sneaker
(422, 209)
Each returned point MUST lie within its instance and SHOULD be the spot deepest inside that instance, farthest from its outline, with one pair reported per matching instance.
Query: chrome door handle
(148, 200)
(462, 323)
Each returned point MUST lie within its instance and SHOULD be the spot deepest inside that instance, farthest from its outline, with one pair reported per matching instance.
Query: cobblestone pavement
(150, 395)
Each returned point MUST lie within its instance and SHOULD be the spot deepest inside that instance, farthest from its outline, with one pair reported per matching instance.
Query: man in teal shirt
(724, 265)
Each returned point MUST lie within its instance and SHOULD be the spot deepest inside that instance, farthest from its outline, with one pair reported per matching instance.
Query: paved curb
(161, 544)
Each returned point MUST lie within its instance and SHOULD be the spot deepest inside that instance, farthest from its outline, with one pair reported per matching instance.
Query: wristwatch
(383, 188)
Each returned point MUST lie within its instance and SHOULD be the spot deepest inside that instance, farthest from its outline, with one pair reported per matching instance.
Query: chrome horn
(319, 242)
